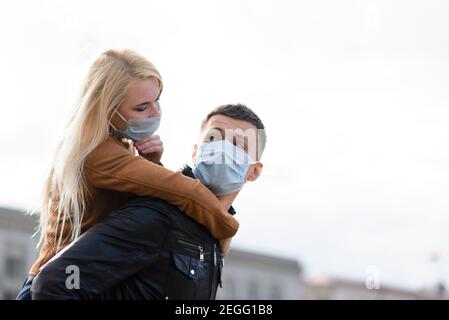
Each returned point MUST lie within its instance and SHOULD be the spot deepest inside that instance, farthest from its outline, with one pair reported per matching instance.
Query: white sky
(354, 96)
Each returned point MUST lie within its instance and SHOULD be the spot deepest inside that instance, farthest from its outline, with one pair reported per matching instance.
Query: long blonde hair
(104, 89)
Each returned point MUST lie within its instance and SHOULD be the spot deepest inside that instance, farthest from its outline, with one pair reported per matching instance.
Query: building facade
(254, 276)
(333, 288)
(17, 250)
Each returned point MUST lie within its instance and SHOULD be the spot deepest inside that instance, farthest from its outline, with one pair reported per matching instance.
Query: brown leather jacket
(114, 175)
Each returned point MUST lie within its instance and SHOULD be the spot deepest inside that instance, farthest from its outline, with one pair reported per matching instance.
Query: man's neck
(227, 199)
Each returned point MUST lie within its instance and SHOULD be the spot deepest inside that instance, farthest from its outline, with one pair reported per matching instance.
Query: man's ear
(254, 171)
(195, 148)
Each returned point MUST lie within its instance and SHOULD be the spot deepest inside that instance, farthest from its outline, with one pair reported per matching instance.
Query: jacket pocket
(188, 277)
(192, 246)
(189, 266)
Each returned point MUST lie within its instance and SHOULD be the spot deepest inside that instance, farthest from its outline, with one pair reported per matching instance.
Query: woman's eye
(142, 107)
(211, 138)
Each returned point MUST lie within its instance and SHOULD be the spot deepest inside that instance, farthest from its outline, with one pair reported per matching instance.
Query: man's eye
(240, 145)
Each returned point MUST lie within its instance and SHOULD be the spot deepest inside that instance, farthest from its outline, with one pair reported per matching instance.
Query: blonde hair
(103, 90)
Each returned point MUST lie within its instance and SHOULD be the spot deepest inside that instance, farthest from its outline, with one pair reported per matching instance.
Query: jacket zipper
(212, 273)
(220, 267)
(194, 245)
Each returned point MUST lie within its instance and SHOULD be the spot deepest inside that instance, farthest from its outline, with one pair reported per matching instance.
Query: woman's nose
(155, 109)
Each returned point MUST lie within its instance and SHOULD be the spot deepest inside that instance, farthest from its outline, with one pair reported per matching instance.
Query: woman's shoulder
(110, 147)
(115, 140)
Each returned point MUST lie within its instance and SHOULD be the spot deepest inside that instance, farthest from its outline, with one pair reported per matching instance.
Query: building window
(14, 267)
(9, 295)
(276, 293)
(230, 289)
(253, 290)
(15, 254)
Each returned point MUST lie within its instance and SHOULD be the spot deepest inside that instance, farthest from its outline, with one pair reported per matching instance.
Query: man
(149, 249)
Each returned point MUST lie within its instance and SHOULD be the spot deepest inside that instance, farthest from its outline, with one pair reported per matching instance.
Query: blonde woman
(97, 167)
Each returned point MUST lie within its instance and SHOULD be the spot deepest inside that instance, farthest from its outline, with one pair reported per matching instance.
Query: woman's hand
(150, 148)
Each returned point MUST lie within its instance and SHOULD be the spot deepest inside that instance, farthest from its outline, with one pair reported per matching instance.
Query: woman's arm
(112, 166)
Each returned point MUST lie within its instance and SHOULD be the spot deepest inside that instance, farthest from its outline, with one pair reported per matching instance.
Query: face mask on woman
(222, 166)
(138, 129)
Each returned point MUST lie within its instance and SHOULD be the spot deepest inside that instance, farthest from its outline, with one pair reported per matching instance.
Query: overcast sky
(354, 96)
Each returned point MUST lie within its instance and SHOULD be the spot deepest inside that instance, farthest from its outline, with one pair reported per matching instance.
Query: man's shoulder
(141, 213)
(148, 208)
(148, 202)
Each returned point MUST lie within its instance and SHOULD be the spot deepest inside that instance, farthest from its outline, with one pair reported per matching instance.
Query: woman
(97, 167)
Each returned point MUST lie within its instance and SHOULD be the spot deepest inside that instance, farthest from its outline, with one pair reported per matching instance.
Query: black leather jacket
(147, 249)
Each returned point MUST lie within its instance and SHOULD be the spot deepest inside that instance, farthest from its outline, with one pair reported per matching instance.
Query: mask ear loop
(115, 110)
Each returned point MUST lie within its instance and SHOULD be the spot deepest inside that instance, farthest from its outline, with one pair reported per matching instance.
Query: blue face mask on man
(222, 166)
(139, 129)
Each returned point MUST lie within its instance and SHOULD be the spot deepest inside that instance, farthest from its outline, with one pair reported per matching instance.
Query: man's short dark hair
(241, 112)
